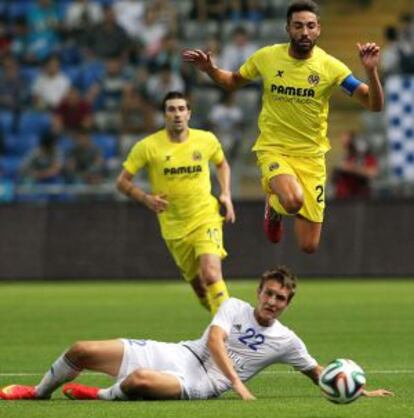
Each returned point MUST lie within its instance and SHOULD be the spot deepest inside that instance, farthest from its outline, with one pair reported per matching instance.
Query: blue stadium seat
(74, 73)
(30, 73)
(18, 9)
(20, 144)
(91, 73)
(65, 143)
(107, 143)
(9, 167)
(6, 122)
(34, 123)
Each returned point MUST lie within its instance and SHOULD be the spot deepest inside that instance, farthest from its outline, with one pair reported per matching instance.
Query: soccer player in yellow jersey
(177, 160)
(298, 79)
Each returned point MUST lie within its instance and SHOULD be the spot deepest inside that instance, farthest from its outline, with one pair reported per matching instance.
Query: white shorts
(174, 359)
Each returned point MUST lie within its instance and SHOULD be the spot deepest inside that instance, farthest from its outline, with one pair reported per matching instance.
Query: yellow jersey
(295, 103)
(180, 171)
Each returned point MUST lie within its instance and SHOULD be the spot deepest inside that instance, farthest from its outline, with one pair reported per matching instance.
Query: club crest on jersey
(273, 166)
(197, 156)
(314, 79)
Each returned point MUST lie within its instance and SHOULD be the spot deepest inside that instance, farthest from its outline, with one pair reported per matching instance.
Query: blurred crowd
(398, 51)
(82, 80)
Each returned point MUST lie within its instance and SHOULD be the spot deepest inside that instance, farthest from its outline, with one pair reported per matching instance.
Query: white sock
(113, 393)
(62, 371)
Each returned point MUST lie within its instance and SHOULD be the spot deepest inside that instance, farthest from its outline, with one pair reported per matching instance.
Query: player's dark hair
(282, 275)
(174, 95)
(302, 6)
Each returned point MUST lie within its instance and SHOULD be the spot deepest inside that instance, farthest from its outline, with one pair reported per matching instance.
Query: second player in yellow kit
(177, 161)
(298, 79)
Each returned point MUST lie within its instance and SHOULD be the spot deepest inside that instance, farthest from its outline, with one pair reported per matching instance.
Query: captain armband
(350, 84)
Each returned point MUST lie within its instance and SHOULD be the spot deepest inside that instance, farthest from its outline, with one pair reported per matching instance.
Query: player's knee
(81, 352)
(210, 273)
(140, 380)
(292, 203)
(309, 247)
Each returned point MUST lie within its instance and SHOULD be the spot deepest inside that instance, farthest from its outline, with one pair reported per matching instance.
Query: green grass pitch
(369, 321)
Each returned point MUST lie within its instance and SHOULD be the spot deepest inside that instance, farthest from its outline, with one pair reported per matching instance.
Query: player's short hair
(301, 6)
(174, 95)
(282, 275)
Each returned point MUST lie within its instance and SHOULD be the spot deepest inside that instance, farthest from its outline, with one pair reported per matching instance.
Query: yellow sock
(217, 293)
(277, 206)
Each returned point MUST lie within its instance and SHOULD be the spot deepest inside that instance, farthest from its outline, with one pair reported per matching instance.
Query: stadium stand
(20, 129)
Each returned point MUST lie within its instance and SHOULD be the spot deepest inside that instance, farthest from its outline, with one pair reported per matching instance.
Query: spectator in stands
(151, 32)
(167, 14)
(226, 120)
(108, 39)
(19, 46)
(81, 13)
(107, 94)
(137, 114)
(168, 54)
(358, 167)
(163, 82)
(73, 113)
(129, 14)
(138, 118)
(4, 37)
(247, 10)
(406, 44)
(391, 54)
(238, 50)
(84, 163)
(43, 165)
(51, 85)
(44, 26)
(209, 9)
(80, 17)
(13, 86)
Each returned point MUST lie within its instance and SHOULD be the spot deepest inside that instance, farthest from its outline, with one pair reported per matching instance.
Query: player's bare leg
(289, 193)
(286, 199)
(140, 384)
(200, 289)
(150, 384)
(308, 234)
(211, 277)
(102, 356)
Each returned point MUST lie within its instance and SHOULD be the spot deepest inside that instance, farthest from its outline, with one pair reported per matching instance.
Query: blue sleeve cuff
(350, 84)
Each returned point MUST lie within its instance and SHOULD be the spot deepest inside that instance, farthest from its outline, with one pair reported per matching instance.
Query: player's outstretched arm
(229, 80)
(223, 177)
(377, 393)
(370, 95)
(156, 203)
(216, 344)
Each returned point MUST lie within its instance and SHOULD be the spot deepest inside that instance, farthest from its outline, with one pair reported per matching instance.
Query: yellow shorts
(310, 173)
(206, 239)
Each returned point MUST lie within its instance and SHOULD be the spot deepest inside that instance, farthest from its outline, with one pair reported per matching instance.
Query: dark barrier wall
(115, 240)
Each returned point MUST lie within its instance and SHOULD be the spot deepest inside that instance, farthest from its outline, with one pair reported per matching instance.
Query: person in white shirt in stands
(239, 342)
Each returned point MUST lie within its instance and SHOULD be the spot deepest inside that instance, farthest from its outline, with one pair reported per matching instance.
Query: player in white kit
(239, 342)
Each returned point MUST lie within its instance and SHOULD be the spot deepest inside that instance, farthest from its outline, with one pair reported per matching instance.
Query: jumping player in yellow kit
(298, 79)
(177, 160)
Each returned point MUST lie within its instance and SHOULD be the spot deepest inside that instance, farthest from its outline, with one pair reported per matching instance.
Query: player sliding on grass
(177, 160)
(240, 342)
(298, 79)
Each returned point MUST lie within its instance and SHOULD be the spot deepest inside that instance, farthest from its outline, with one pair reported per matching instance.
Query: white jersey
(251, 346)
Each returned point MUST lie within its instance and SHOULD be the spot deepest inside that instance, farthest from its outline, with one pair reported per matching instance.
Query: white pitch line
(265, 372)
